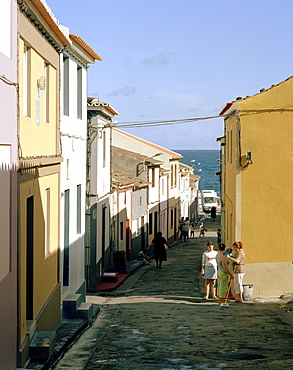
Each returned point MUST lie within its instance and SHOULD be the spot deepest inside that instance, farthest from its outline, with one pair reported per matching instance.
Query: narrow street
(157, 319)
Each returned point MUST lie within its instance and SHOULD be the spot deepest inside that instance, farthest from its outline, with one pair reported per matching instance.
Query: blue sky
(175, 59)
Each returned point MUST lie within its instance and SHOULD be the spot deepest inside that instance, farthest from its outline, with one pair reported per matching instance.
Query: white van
(209, 199)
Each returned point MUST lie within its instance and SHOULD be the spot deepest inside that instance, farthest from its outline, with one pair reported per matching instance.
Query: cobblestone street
(157, 319)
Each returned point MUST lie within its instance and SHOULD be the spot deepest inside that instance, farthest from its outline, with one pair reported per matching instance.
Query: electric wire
(164, 122)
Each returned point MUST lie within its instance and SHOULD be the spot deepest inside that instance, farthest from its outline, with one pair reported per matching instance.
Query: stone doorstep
(72, 302)
(110, 277)
(85, 311)
(42, 344)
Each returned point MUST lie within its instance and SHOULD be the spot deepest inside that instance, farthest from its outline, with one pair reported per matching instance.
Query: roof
(160, 148)
(121, 179)
(135, 155)
(227, 106)
(96, 103)
(50, 18)
(85, 46)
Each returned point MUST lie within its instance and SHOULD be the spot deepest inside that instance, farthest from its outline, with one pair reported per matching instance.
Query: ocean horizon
(209, 164)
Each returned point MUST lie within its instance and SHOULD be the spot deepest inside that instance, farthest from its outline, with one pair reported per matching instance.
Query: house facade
(40, 41)
(74, 63)
(256, 186)
(98, 191)
(8, 183)
(157, 158)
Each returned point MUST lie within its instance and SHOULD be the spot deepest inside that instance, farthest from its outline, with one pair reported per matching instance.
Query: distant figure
(160, 254)
(213, 213)
(185, 230)
(202, 230)
(192, 229)
(181, 223)
(219, 236)
(209, 270)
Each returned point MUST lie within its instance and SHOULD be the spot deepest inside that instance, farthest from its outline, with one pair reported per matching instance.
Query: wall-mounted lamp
(248, 158)
(41, 83)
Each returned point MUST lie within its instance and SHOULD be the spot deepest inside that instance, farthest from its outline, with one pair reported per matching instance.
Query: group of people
(216, 268)
(184, 225)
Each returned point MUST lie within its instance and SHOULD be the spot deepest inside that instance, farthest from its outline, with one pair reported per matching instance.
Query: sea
(209, 164)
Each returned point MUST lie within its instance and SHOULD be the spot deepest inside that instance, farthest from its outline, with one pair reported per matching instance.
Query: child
(202, 230)
(142, 255)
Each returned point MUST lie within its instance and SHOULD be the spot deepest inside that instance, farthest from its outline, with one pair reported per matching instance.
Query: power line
(196, 119)
(164, 122)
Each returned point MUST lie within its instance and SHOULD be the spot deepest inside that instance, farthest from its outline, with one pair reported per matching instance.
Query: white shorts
(238, 278)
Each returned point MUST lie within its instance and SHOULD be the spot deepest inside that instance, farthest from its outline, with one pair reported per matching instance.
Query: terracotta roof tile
(85, 46)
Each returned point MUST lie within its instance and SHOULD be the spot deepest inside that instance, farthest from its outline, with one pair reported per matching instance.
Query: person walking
(213, 213)
(223, 274)
(192, 229)
(185, 230)
(209, 270)
(181, 223)
(238, 260)
(159, 243)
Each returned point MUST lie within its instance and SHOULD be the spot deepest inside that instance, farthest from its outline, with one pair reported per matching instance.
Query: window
(104, 148)
(46, 93)
(172, 176)
(78, 209)
(26, 81)
(79, 92)
(175, 175)
(125, 197)
(150, 224)
(140, 201)
(66, 86)
(171, 219)
(121, 231)
(153, 178)
(47, 222)
(66, 238)
(67, 169)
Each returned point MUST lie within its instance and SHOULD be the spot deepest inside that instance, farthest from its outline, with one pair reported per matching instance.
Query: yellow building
(40, 42)
(257, 166)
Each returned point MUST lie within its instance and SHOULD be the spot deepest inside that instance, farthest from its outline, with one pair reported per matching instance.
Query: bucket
(247, 292)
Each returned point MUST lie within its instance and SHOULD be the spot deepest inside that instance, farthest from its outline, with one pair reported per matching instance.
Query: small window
(121, 231)
(47, 222)
(47, 92)
(104, 148)
(66, 86)
(153, 178)
(78, 209)
(27, 81)
(150, 224)
(79, 92)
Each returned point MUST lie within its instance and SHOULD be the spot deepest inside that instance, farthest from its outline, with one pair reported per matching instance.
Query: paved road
(158, 320)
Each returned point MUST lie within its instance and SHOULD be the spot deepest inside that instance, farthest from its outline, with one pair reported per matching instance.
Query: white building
(73, 131)
(157, 158)
(98, 204)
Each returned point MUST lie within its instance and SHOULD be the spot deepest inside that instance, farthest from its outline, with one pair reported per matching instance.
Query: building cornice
(29, 14)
